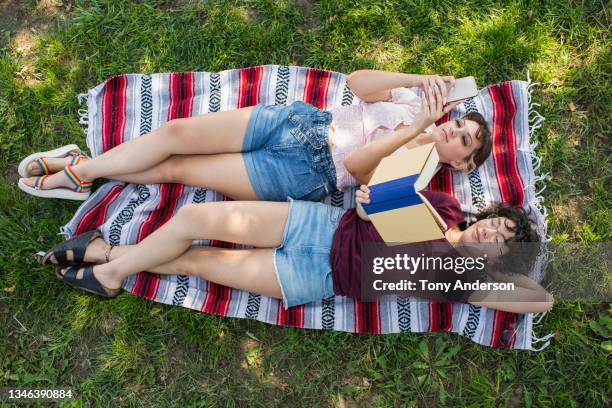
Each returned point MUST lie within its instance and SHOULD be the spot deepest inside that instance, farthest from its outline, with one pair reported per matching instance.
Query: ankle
(109, 272)
(108, 253)
(81, 171)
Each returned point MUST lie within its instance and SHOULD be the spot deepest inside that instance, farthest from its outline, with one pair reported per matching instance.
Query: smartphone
(464, 88)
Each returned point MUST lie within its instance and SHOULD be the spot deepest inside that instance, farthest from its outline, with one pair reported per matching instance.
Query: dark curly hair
(523, 251)
(524, 229)
(479, 156)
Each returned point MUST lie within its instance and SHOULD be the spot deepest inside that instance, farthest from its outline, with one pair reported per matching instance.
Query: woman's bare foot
(54, 164)
(95, 252)
(59, 179)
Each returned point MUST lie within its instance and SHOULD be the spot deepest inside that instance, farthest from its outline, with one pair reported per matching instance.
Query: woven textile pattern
(126, 106)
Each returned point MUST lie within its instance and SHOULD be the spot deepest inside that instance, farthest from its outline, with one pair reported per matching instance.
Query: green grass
(129, 351)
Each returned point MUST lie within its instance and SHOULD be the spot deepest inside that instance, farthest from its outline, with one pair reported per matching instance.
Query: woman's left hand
(432, 106)
(362, 196)
(445, 83)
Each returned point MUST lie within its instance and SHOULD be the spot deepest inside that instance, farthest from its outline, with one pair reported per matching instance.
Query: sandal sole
(59, 192)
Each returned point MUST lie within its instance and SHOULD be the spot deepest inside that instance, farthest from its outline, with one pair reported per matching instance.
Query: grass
(131, 352)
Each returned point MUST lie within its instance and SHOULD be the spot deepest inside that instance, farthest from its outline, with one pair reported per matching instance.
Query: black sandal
(88, 281)
(78, 245)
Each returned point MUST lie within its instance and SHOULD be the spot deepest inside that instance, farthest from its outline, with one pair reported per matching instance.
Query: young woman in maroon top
(169, 249)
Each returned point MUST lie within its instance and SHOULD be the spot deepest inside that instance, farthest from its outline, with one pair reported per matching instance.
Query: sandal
(79, 185)
(78, 245)
(59, 152)
(44, 168)
(76, 157)
(87, 282)
(80, 191)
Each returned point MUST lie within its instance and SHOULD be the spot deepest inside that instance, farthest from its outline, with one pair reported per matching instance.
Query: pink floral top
(356, 125)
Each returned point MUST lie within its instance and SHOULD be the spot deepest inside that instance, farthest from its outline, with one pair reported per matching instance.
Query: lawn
(129, 351)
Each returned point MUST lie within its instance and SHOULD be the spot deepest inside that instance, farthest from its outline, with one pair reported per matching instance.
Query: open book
(400, 213)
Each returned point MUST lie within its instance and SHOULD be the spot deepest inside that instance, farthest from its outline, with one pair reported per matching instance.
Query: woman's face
(455, 140)
(491, 231)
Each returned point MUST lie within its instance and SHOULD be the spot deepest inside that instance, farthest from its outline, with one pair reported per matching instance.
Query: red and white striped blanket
(126, 106)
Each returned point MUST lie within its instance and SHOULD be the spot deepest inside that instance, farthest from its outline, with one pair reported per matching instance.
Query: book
(400, 213)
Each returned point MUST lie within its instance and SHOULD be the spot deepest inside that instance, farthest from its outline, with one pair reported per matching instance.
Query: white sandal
(81, 190)
(59, 152)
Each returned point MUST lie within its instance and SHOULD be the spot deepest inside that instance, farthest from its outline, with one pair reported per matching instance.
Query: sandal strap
(79, 186)
(78, 245)
(75, 160)
(39, 181)
(42, 164)
(88, 281)
(77, 156)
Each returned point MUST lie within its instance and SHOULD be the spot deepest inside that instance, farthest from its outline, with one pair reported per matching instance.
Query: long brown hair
(479, 156)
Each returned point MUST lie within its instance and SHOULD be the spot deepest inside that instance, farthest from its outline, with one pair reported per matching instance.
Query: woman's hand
(362, 196)
(445, 83)
(432, 105)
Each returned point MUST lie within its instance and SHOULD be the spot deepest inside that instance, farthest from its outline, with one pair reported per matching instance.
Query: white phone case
(464, 88)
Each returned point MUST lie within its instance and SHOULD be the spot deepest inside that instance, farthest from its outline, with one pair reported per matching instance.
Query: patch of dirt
(11, 176)
(85, 353)
(23, 23)
(311, 22)
(305, 5)
(570, 210)
(12, 15)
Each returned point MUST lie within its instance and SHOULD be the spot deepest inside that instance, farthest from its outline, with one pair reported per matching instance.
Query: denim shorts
(286, 152)
(302, 261)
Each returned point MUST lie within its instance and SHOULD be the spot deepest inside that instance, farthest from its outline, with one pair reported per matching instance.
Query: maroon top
(352, 231)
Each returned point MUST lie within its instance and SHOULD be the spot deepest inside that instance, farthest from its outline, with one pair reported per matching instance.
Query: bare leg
(221, 132)
(259, 224)
(225, 173)
(247, 269)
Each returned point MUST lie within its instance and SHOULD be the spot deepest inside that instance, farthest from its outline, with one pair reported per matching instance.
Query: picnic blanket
(129, 105)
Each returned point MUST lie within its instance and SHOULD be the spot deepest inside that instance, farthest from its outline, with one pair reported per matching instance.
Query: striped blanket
(127, 106)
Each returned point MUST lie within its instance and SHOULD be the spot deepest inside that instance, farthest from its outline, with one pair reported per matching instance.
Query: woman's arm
(520, 300)
(374, 86)
(362, 162)
(518, 280)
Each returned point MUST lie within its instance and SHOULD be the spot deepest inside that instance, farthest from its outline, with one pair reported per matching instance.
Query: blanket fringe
(537, 318)
(83, 113)
(535, 120)
(65, 232)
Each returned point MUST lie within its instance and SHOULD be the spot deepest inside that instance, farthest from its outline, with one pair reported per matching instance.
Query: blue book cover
(400, 213)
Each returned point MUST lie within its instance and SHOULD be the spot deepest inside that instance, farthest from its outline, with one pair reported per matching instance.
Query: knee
(186, 264)
(172, 133)
(191, 215)
(172, 127)
(188, 211)
(186, 222)
(170, 170)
